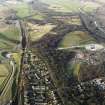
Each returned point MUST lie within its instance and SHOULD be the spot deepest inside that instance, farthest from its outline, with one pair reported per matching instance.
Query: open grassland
(4, 72)
(9, 37)
(37, 31)
(2, 78)
(70, 5)
(17, 57)
(63, 5)
(1, 57)
(11, 32)
(90, 6)
(38, 16)
(76, 38)
(22, 10)
(5, 87)
(74, 21)
(76, 70)
(10, 82)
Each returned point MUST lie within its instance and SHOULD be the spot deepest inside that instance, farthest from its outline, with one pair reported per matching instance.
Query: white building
(94, 47)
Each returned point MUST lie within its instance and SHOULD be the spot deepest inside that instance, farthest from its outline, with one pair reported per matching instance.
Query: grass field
(8, 82)
(17, 57)
(76, 38)
(63, 5)
(70, 5)
(11, 32)
(76, 70)
(22, 10)
(4, 72)
(9, 36)
(37, 31)
(37, 17)
(73, 69)
(74, 21)
(90, 6)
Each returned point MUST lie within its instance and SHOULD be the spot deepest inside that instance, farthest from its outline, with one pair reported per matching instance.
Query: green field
(76, 38)
(63, 5)
(38, 16)
(9, 37)
(5, 76)
(90, 6)
(4, 73)
(70, 5)
(74, 21)
(22, 10)
(37, 31)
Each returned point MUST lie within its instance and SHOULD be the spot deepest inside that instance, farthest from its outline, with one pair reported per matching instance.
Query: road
(8, 85)
(24, 36)
(93, 27)
(10, 80)
(40, 88)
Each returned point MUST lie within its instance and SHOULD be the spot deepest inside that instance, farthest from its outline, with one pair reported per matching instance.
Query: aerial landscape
(52, 52)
